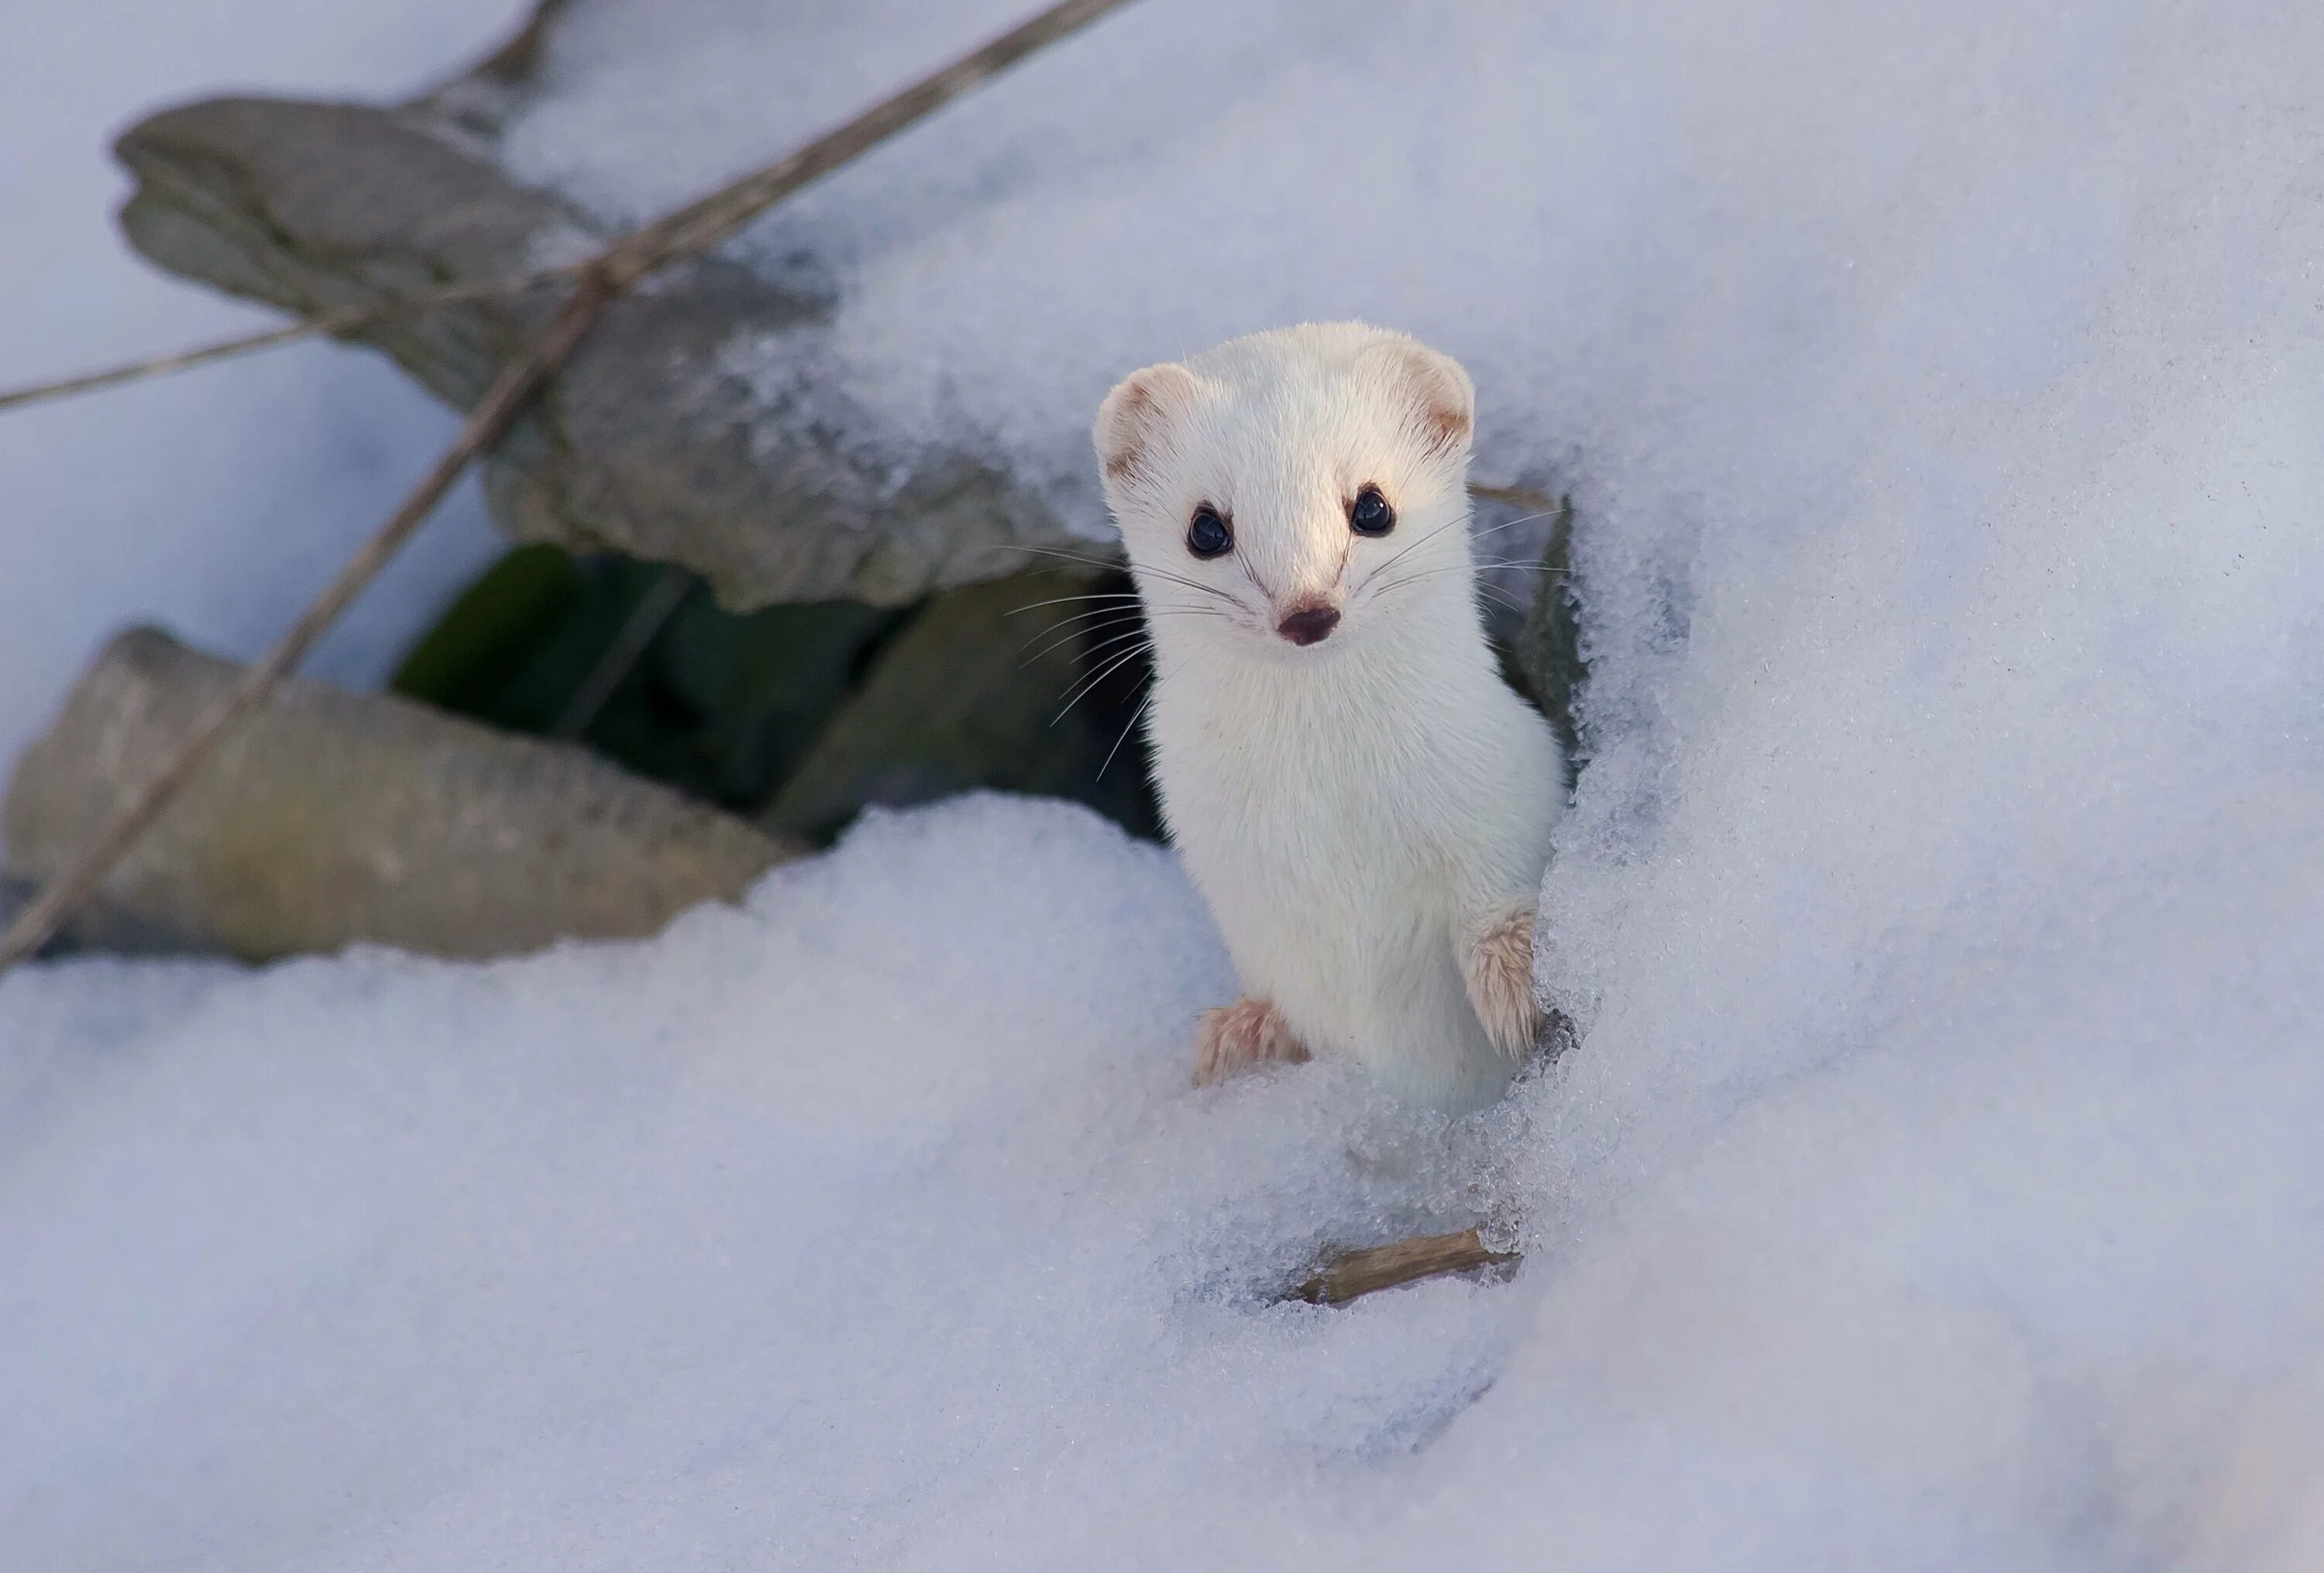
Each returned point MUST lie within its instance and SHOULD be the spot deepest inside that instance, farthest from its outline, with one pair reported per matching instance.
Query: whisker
(1177, 608)
(1416, 574)
(1135, 571)
(1069, 635)
(1522, 519)
(1479, 587)
(1102, 612)
(1356, 588)
(1211, 590)
(1135, 717)
(1084, 689)
(1112, 565)
(1527, 564)
(1053, 552)
(1068, 599)
(1459, 519)
(1096, 614)
(1099, 648)
(1462, 519)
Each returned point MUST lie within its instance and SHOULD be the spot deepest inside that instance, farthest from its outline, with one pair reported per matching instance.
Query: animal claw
(1498, 969)
(1243, 1036)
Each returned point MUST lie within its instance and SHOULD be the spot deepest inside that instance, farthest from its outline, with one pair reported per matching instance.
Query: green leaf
(488, 632)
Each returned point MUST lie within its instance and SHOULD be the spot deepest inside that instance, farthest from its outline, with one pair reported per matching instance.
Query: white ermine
(1363, 801)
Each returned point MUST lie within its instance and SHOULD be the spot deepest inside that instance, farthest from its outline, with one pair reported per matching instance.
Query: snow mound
(1942, 393)
(846, 1228)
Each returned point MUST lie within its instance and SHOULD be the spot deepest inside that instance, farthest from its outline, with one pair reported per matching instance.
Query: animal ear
(1136, 417)
(1442, 399)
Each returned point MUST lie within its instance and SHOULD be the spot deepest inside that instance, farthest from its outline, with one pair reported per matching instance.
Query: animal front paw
(1498, 969)
(1238, 1038)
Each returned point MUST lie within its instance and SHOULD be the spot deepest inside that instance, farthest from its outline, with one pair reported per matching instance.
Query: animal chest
(1325, 852)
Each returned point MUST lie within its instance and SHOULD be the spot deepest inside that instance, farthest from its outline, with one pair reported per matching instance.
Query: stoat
(1363, 801)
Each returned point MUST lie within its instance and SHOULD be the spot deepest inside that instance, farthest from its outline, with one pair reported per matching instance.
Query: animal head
(1288, 492)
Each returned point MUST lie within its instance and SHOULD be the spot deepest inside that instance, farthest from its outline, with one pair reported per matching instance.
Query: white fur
(1363, 812)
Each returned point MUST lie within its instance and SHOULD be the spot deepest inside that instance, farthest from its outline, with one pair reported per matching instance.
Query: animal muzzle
(1308, 625)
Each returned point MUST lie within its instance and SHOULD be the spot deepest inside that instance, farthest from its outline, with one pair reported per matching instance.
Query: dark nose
(1309, 624)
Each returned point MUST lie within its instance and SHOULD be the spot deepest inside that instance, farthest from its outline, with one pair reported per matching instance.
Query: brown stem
(1515, 496)
(344, 320)
(690, 231)
(1353, 1274)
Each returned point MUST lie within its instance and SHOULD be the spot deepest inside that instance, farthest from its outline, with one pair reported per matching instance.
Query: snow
(1942, 394)
(216, 503)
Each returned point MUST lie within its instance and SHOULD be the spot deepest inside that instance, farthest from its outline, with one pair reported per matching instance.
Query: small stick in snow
(690, 231)
(1353, 1274)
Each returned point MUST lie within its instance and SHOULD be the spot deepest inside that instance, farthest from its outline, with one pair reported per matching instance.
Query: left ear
(1137, 418)
(1438, 393)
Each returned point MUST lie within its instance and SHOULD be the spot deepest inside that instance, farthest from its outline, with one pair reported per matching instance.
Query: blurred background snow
(1942, 390)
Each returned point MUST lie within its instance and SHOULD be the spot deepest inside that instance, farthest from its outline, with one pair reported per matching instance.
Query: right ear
(1134, 422)
(1442, 399)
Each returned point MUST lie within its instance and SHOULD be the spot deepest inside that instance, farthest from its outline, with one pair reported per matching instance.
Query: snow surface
(1937, 1184)
(216, 502)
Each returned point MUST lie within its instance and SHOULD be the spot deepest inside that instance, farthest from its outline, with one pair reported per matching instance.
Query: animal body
(1362, 801)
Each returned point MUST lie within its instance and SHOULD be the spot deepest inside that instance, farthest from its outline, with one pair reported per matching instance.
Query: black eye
(1208, 535)
(1371, 515)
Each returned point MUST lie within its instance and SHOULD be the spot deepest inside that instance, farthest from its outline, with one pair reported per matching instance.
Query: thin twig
(328, 324)
(690, 231)
(679, 233)
(655, 608)
(1352, 1273)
